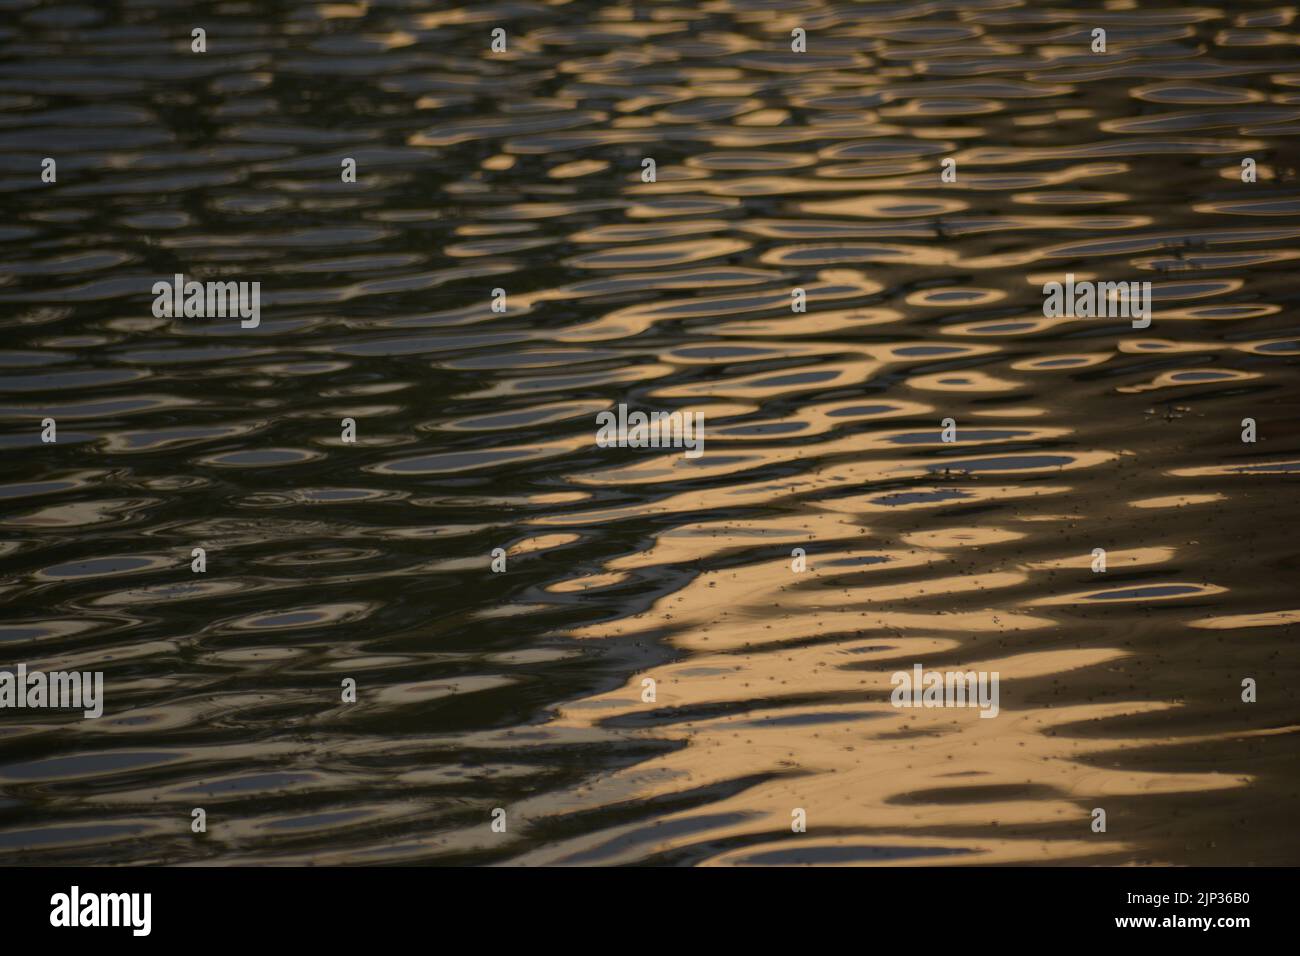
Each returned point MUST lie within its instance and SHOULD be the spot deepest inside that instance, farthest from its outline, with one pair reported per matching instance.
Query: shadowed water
(524, 690)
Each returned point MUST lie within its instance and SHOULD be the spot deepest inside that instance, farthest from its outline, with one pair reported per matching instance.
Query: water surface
(523, 690)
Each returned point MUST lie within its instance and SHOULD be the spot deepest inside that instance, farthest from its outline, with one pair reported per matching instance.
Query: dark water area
(371, 561)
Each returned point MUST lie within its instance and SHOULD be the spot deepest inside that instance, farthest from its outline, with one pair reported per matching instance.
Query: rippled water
(523, 690)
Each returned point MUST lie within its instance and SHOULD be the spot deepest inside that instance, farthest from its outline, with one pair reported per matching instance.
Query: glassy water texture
(523, 690)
